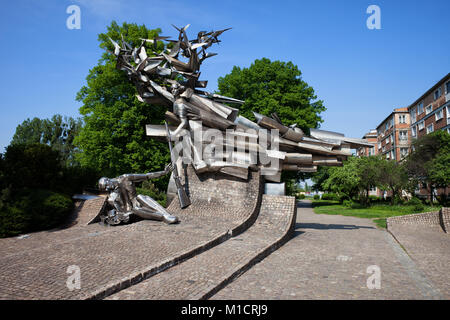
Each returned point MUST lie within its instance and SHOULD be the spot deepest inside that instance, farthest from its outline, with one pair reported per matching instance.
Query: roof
(437, 84)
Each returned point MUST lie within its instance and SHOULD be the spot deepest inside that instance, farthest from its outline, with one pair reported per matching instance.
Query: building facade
(430, 112)
(394, 135)
(371, 137)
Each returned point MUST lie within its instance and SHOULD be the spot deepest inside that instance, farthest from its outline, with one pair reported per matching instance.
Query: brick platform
(113, 258)
(205, 274)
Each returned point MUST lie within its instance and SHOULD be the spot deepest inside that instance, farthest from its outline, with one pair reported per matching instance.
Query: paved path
(328, 259)
(204, 274)
(429, 247)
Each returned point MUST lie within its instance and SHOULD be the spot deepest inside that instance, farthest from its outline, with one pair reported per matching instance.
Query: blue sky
(360, 74)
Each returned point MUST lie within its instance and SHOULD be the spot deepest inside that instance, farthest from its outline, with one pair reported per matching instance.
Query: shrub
(316, 197)
(416, 204)
(301, 196)
(34, 210)
(330, 196)
(149, 189)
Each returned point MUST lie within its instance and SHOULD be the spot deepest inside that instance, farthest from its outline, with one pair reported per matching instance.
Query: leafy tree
(368, 169)
(345, 180)
(429, 161)
(320, 177)
(58, 132)
(113, 138)
(274, 86)
(393, 177)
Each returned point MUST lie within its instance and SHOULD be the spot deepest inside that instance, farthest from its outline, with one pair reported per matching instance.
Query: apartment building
(430, 112)
(371, 137)
(394, 135)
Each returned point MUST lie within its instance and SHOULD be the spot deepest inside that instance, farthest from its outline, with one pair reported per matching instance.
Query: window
(448, 113)
(386, 126)
(420, 108)
(392, 122)
(414, 131)
(437, 93)
(428, 109)
(403, 152)
(379, 145)
(402, 118)
(447, 87)
(387, 155)
(413, 115)
(421, 125)
(392, 138)
(439, 115)
(392, 155)
(430, 128)
(384, 148)
(403, 135)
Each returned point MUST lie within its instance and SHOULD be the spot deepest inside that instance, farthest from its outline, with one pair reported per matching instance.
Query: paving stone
(112, 258)
(328, 258)
(203, 275)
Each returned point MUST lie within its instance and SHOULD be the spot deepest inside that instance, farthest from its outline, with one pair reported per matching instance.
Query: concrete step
(205, 274)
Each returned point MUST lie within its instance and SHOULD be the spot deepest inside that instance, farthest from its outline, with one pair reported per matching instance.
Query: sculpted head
(106, 184)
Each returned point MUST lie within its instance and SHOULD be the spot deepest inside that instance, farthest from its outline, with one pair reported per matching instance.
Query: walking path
(329, 258)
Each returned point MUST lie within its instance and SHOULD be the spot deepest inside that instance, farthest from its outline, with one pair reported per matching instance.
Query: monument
(209, 134)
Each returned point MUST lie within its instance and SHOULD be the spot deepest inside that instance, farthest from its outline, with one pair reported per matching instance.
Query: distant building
(431, 111)
(371, 137)
(394, 135)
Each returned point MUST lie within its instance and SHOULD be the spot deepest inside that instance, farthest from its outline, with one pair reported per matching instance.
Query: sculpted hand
(169, 168)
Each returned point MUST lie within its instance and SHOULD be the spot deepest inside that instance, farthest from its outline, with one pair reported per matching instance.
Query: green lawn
(377, 212)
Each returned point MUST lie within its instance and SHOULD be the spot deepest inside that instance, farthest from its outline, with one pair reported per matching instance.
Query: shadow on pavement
(320, 226)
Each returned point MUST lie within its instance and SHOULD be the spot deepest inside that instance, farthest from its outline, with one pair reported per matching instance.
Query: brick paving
(112, 258)
(429, 247)
(328, 258)
(201, 276)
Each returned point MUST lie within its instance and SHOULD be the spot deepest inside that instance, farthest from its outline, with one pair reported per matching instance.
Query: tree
(393, 177)
(320, 177)
(368, 169)
(57, 132)
(274, 86)
(344, 180)
(113, 137)
(429, 161)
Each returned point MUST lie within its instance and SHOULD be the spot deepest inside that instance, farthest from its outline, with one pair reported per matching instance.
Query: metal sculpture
(164, 79)
(124, 200)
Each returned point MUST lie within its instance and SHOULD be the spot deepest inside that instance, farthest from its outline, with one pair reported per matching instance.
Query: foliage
(416, 204)
(330, 196)
(300, 196)
(316, 197)
(31, 166)
(58, 132)
(149, 189)
(393, 177)
(274, 86)
(32, 210)
(368, 170)
(344, 180)
(430, 161)
(320, 177)
(113, 138)
(379, 212)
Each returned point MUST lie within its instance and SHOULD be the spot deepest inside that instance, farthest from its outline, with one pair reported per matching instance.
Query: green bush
(33, 210)
(316, 197)
(416, 204)
(300, 196)
(149, 189)
(330, 196)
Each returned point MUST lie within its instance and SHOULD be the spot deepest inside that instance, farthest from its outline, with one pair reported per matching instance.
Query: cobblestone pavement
(328, 258)
(199, 277)
(112, 258)
(429, 247)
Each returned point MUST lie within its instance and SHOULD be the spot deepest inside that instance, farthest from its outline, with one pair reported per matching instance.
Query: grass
(377, 212)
